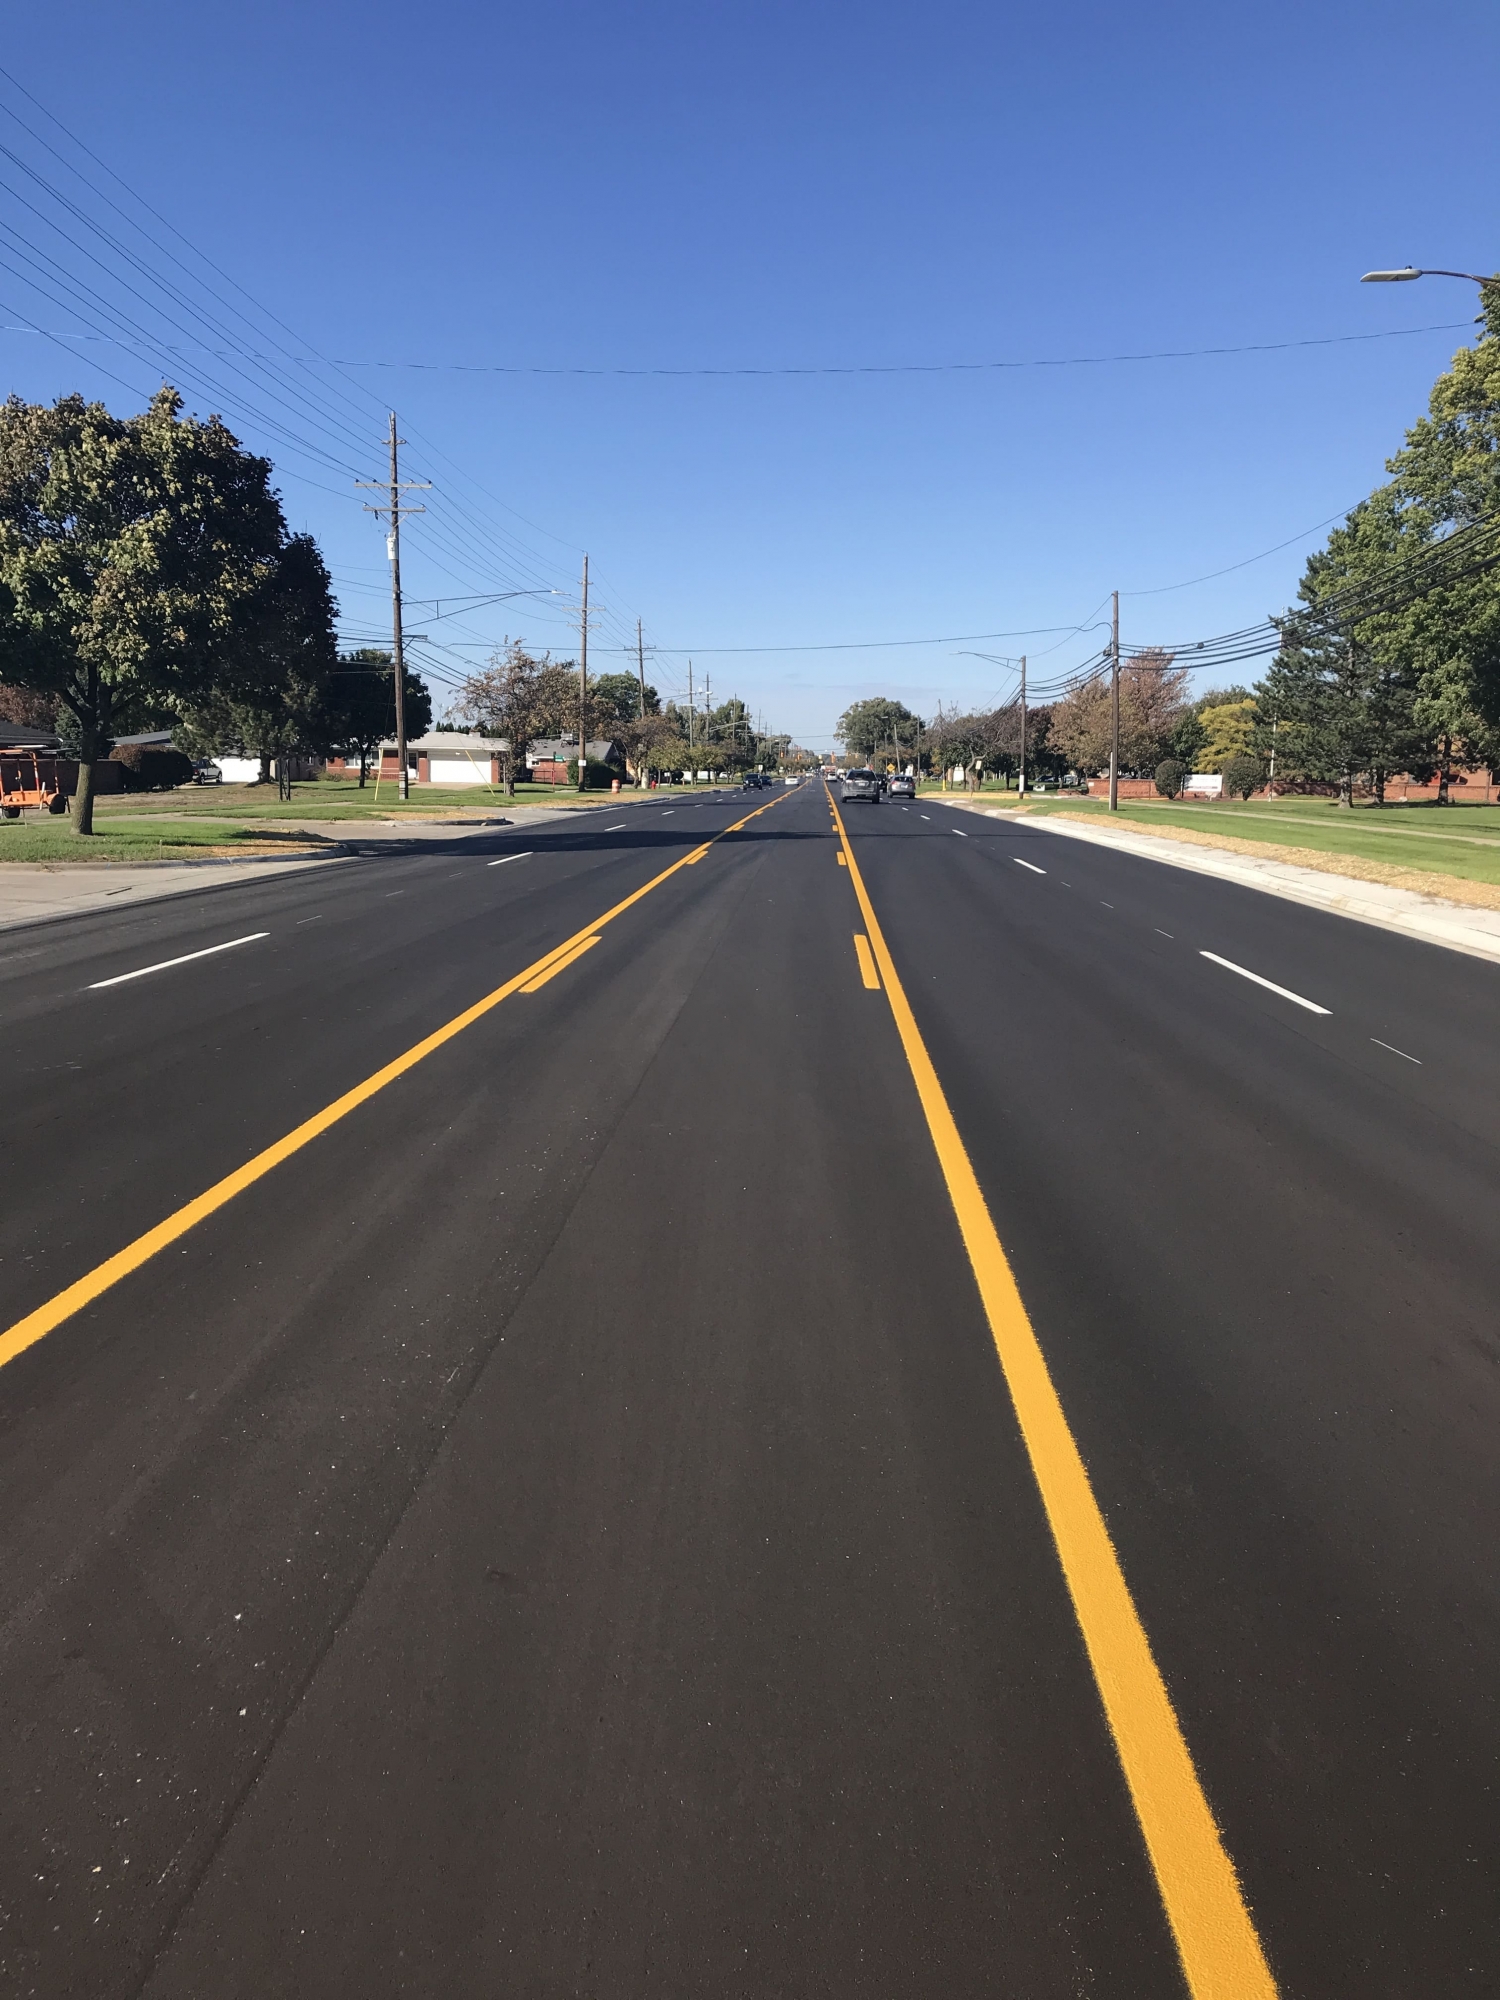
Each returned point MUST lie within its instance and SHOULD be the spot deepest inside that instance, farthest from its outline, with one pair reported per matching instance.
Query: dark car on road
(862, 785)
(902, 788)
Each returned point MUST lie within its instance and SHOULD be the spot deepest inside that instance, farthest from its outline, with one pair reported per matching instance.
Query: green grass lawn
(40, 837)
(1460, 840)
(338, 798)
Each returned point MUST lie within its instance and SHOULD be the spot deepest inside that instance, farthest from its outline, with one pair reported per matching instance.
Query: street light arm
(1410, 271)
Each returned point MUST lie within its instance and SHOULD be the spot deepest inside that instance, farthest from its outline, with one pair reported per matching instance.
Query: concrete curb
(1458, 926)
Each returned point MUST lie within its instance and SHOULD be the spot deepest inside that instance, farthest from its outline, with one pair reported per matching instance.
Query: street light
(1405, 277)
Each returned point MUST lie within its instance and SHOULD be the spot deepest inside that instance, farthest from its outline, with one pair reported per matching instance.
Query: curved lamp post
(1405, 276)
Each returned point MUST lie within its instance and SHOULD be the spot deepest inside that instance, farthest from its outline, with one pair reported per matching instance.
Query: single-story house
(548, 757)
(21, 736)
(441, 757)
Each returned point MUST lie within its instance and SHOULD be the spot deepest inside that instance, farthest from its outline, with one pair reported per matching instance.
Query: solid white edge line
(511, 857)
(1269, 984)
(166, 964)
(1028, 864)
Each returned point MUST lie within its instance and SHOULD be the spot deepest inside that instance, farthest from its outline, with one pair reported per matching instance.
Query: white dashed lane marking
(1270, 985)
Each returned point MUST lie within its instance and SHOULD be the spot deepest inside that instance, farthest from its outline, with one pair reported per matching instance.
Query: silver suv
(862, 785)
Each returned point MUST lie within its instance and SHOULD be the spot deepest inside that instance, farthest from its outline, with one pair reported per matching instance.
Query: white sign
(1208, 784)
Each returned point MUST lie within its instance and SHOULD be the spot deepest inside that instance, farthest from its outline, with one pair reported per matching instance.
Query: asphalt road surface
(569, 1502)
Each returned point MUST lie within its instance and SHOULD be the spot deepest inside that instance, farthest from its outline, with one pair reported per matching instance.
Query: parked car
(902, 788)
(861, 785)
(206, 772)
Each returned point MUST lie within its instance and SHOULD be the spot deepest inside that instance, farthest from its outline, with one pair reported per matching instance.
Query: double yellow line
(36, 1325)
(1221, 1954)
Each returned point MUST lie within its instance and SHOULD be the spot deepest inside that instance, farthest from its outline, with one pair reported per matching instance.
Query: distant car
(861, 785)
(902, 788)
(206, 772)
(789, 779)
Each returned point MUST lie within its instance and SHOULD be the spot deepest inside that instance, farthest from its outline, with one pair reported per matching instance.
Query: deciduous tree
(132, 553)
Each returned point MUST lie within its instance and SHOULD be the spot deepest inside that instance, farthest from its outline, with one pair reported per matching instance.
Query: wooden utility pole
(1114, 707)
(691, 707)
(583, 680)
(393, 549)
(640, 667)
(1023, 725)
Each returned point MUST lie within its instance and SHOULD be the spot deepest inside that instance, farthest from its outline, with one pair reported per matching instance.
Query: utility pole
(583, 679)
(692, 708)
(1023, 725)
(398, 486)
(640, 667)
(1114, 707)
(708, 710)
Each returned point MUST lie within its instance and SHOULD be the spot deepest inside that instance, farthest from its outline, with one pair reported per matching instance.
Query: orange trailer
(34, 778)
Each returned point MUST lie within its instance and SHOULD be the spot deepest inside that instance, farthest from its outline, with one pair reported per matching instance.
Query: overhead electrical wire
(480, 550)
(316, 414)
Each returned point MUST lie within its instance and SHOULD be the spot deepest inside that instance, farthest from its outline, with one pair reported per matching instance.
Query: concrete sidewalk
(33, 891)
(1459, 926)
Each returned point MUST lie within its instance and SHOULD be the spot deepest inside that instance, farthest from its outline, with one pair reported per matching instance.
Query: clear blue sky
(661, 186)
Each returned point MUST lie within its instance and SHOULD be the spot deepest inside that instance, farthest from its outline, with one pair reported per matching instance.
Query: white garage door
(458, 771)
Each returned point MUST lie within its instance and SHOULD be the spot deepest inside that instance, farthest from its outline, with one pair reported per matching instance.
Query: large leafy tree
(520, 697)
(866, 727)
(619, 700)
(1386, 665)
(1152, 703)
(136, 555)
(357, 709)
(270, 698)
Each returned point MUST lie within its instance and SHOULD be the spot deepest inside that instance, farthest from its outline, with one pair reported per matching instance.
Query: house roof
(601, 749)
(452, 743)
(21, 736)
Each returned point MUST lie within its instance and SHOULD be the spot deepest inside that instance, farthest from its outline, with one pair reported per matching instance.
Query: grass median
(1440, 850)
(337, 798)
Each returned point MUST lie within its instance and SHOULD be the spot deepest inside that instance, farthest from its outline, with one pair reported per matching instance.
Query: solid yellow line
(867, 970)
(83, 1291)
(1221, 1954)
(559, 965)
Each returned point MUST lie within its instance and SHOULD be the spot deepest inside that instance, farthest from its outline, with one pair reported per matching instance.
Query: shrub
(1242, 776)
(1169, 777)
(149, 767)
(596, 776)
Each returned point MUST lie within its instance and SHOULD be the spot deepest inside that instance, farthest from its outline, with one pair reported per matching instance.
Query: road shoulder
(1452, 919)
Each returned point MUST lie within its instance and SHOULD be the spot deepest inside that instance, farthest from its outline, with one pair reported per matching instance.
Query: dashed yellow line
(1221, 1955)
(866, 959)
(83, 1291)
